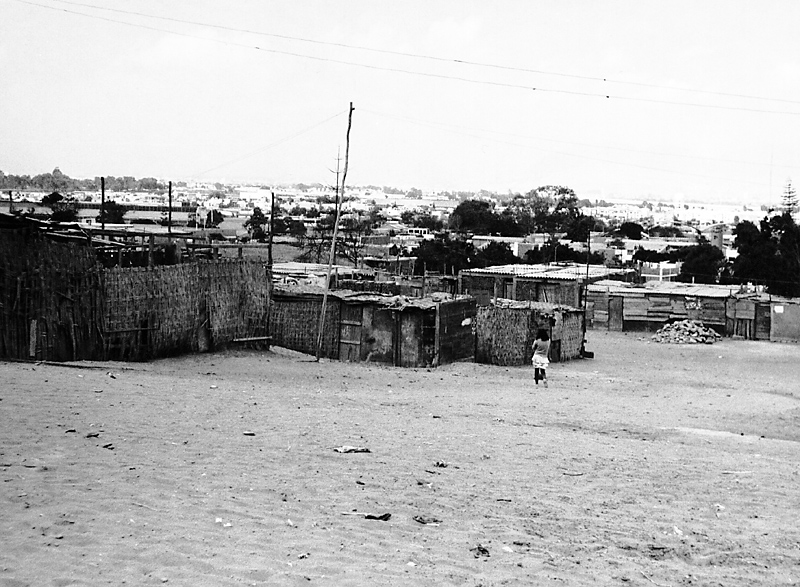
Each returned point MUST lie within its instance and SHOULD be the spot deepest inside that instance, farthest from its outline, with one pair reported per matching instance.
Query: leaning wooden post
(339, 197)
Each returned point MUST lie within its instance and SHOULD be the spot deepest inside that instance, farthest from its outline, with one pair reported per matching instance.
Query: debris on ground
(382, 517)
(427, 520)
(686, 332)
(479, 551)
(349, 449)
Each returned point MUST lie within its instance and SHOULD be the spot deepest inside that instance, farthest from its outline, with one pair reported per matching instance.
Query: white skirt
(540, 362)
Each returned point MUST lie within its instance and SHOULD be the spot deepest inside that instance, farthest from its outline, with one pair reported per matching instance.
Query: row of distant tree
(62, 183)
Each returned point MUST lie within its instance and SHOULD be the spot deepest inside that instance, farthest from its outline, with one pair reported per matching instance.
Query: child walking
(541, 350)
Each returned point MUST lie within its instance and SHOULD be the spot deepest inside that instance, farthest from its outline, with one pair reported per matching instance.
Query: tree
(474, 216)
(112, 213)
(547, 209)
(421, 220)
(789, 198)
(349, 241)
(769, 254)
(479, 217)
(630, 230)
(65, 210)
(562, 253)
(214, 218)
(701, 264)
(444, 254)
(665, 231)
(496, 253)
(580, 228)
(255, 223)
(296, 228)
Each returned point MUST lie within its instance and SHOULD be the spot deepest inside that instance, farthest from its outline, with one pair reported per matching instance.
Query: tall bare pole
(339, 198)
(102, 203)
(271, 229)
(169, 212)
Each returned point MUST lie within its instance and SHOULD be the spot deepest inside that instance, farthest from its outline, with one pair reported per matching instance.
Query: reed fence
(58, 303)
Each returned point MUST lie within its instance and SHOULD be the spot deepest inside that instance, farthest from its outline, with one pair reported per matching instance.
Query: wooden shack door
(763, 319)
(615, 304)
(350, 333)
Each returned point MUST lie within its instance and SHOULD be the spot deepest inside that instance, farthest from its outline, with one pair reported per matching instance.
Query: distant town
(381, 223)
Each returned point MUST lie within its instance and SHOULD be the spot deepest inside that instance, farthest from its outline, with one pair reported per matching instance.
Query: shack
(505, 331)
(613, 305)
(761, 316)
(400, 331)
(555, 283)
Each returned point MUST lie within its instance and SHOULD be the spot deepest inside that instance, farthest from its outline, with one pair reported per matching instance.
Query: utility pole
(169, 212)
(102, 203)
(331, 258)
(339, 198)
(271, 229)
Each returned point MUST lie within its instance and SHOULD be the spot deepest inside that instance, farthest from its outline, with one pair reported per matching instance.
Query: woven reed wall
(571, 335)
(504, 335)
(50, 307)
(165, 310)
(294, 323)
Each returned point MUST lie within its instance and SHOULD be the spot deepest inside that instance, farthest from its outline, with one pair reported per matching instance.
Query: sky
(694, 100)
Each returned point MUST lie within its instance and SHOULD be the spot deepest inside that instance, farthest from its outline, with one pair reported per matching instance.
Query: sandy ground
(648, 465)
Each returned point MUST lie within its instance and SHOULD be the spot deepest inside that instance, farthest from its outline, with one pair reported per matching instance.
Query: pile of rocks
(686, 332)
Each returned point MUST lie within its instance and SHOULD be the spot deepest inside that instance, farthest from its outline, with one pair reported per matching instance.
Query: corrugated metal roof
(667, 288)
(393, 302)
(691, 289)
(294, 268)
(542, 307)
(566, 272)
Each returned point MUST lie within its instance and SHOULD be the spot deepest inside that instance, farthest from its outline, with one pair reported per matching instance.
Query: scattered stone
(686, 332)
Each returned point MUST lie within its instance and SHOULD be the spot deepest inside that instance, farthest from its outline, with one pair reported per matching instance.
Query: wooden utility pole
(102, 203)
(169, 212)
(339, 198)
(271, 229)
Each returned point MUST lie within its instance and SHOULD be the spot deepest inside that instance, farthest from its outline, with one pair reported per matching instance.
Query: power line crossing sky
(668, 100)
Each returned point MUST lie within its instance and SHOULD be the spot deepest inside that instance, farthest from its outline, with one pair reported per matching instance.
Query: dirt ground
(649, 465)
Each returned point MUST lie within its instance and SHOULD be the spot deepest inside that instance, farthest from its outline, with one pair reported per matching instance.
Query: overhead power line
(403, 70)
(430, 57)
(567, 154)
(270, 146)
(456, 128)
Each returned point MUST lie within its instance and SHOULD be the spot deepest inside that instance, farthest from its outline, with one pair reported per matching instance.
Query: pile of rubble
(686, 332)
